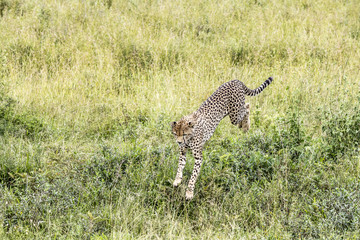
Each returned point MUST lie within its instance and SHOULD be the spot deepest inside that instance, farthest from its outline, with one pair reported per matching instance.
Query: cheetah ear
(247, 105)
(173, 124)
(191, 124)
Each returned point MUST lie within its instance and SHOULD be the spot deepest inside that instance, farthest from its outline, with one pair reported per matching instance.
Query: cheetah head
(183, 130)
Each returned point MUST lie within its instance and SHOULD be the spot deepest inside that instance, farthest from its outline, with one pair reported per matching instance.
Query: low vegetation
(88, 89)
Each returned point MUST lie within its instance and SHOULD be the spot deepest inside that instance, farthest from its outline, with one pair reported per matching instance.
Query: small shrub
(290, 134)
(22, 125)
(107, 167)
(341, 131)
(336, 210)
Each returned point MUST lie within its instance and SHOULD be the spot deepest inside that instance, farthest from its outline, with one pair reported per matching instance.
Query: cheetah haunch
(192, 131)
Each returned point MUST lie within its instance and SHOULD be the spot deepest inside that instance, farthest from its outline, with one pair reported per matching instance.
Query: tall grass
(87, 89)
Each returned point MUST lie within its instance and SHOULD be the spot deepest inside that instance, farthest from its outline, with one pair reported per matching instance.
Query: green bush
(26, 125)
(341, 131)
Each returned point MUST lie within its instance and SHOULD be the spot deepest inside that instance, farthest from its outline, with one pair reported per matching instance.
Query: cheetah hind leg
(245, 123)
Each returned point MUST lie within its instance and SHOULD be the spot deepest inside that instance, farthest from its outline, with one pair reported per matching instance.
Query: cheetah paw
(177, 182)
(189, 195)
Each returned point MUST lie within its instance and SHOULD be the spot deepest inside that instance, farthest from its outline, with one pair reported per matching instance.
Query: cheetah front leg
(182, 162)
(198, 160)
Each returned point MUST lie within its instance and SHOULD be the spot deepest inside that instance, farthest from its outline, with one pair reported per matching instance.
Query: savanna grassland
(88, 89)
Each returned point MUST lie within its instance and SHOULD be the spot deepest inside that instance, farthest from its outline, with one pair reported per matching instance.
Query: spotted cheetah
(192, 131)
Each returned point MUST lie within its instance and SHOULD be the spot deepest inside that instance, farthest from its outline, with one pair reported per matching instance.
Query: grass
(88, 89)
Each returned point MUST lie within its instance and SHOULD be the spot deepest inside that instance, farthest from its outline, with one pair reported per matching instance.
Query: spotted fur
(192, 131)
(245, 123)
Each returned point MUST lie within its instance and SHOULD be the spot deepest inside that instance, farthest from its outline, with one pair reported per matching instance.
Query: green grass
(88, 89)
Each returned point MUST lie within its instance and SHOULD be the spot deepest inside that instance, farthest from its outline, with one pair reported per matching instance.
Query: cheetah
(192, 131)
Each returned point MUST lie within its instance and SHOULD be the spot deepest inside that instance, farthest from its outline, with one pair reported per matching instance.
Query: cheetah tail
(258, 90)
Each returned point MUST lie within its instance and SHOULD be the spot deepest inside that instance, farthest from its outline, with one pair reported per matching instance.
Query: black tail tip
(271, 78)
